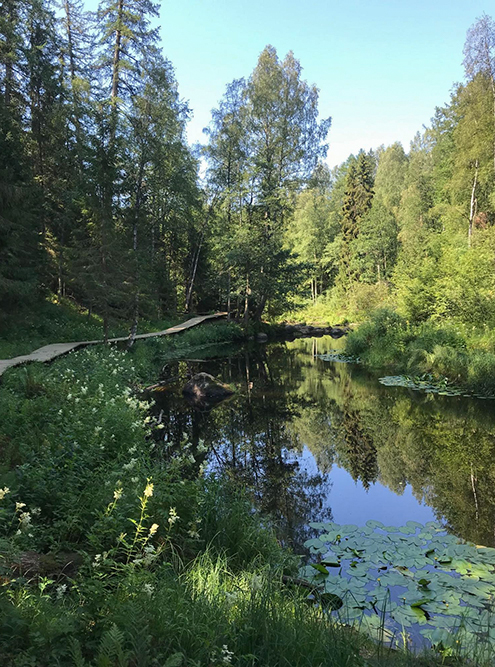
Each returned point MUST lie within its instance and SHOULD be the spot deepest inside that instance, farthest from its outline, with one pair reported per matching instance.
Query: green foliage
(255, 176)
(447, 353)
(356, 204)
(393, 578)
(380, 341)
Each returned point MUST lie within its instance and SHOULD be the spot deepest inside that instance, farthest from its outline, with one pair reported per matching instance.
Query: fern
(112, 649)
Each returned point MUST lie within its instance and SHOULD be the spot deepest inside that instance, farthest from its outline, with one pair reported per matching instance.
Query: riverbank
(449, 354)
(116, 549)
(61, 321)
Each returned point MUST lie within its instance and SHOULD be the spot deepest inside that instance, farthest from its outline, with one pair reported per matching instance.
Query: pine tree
(20, 255)
(357, 202)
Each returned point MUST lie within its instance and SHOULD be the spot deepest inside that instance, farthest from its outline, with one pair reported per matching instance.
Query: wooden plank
(50, 352)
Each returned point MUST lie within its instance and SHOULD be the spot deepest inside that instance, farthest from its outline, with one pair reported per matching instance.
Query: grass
(116, 551)
(450, 351)
(355, 305)
(59, 322)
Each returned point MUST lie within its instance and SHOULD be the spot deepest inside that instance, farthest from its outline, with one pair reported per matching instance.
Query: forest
(137, 529)
(101, 200)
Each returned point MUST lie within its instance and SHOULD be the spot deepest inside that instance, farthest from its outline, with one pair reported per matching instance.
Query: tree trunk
(196, 259)
(472, 207)
(246, 304)
(492, 80)
(68, 26)
(193, 273)
(117, 52)
(134, 328)
(228, 296)
(475, 495)
(137, 209)
(261, 307)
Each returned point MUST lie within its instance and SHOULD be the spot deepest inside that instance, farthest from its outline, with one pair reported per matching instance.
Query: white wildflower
(4, 492)
(227, 655)
(130, 465)
(148, 589)
(132, 449)
(154, 528)
(148, 492)
(173, 516)
(117, 494)
(61, 590)
(150, 554)
(19, 506)
(256, 582)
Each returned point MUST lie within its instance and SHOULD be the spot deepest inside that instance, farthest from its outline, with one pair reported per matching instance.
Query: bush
(380, 340)
(387, 340)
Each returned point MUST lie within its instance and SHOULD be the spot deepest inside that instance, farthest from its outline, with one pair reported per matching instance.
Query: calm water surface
(313, 440)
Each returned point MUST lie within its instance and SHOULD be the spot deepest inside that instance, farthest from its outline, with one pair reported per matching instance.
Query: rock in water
(204, 391)
(336, 332)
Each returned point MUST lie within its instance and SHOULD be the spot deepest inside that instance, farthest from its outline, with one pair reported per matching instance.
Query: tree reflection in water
(288, 398)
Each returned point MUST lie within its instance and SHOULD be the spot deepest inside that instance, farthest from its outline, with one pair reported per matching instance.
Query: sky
(382, 66)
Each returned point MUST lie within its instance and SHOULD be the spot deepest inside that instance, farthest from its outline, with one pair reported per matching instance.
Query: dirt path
(49, 352)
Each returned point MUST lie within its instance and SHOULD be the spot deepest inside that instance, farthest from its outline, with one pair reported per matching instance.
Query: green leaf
(420, 603)
(315, 543)
(390, 529)
(320, 568)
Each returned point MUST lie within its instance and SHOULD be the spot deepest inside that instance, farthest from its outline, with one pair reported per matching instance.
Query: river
(312, 440)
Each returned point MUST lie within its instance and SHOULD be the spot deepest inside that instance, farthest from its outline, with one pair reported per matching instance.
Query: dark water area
(313, 440)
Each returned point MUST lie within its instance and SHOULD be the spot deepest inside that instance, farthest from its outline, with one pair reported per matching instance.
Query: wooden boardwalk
(49, 352)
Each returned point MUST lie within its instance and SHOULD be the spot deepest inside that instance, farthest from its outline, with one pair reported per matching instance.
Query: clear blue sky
(381, 65)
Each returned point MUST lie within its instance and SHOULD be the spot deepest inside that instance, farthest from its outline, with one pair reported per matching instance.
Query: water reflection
(306, 436)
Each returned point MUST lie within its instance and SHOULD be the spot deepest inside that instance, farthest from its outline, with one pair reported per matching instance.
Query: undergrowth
(115, 550)
(60, 321)
(448, 351)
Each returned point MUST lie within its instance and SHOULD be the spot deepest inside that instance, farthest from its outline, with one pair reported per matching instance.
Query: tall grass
(465, 357)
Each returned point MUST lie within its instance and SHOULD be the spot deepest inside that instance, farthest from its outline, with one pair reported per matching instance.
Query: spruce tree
(357, 202)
